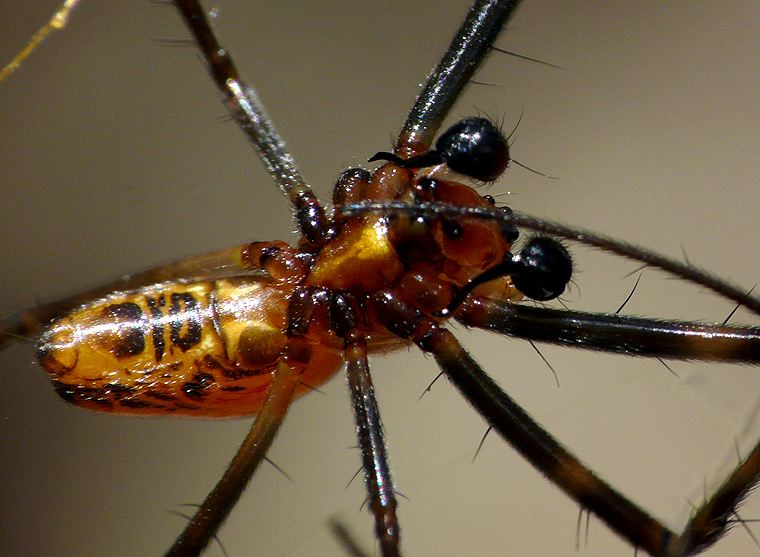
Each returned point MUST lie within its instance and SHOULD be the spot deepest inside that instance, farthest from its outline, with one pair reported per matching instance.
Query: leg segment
(544, 452)
(482, 26)
(217, 505)
(245, 106)
(369, 429)
(615, 333)
(708, 523)
(526, 436)
(713, 517)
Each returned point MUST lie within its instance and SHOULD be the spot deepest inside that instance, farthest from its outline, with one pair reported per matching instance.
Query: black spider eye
(452, 230)
(424, 189)
(508, 230)
(545, 269)
(474, 147)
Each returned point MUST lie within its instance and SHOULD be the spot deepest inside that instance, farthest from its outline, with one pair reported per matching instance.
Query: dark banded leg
(217, 505)
(443, 86)
(369, 428)
(526, 436)
(245, 106)
(544, 452)
(615, 333)
(710, 520)
(708, 523)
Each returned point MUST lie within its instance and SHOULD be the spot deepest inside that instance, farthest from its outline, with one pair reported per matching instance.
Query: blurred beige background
(116, 156)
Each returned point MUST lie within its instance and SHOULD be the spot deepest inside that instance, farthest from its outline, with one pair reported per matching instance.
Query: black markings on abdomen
(157, 328)
(198, 387)
(185, 325)
(127, 336)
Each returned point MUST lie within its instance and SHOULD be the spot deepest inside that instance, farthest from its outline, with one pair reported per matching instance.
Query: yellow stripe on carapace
(361, 259)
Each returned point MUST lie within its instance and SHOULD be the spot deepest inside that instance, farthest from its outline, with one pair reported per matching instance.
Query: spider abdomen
(196, 348)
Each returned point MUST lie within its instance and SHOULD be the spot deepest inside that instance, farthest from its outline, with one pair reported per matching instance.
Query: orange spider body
(208, 347)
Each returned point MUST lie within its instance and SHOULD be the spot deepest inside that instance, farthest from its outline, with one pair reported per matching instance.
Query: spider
(149, 198)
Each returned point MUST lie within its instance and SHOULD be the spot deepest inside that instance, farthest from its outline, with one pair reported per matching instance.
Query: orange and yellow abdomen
(203, 348)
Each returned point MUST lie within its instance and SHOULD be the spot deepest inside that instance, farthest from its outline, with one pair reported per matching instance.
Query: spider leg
(220, 501)
(708, 523)
(523, 433)
(713, 517)
(544, 452)
(245, 106)
(443, 86)
(615, 333)
(369, 430)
